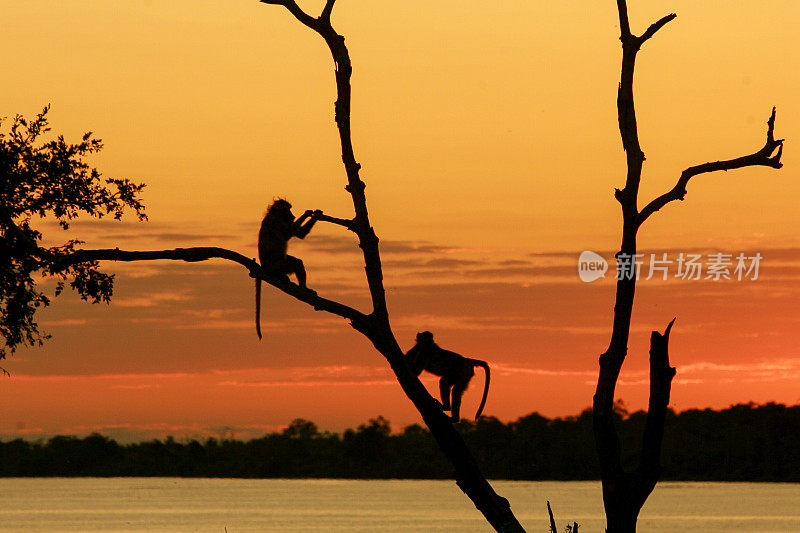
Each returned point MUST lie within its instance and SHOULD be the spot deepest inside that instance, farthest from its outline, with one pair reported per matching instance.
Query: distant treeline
(742, 443)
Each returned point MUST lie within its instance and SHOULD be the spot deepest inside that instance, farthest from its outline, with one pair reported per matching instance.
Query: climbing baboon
(455, 370)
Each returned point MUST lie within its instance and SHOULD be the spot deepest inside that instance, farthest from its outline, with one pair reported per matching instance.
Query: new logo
(591, 266)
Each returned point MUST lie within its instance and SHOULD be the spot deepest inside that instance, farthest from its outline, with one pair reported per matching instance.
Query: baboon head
(425, 338)
(279, 206)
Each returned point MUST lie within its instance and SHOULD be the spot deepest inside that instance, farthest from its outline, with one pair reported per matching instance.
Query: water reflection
(213, 505)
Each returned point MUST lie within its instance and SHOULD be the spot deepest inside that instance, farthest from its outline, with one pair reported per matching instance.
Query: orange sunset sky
(487, 135)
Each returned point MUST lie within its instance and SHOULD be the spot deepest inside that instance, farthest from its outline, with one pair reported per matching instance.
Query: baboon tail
(482, 364)
(258, 308)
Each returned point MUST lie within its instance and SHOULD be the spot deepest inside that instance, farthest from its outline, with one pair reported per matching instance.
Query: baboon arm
(297, 224)
(416, 362)
(302, 229)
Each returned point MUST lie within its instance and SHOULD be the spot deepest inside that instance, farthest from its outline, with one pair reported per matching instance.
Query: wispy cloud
(309, 383)
(338, 245)
(294, 374)
(762, 371)
(423, 321)
(102, 377)
(169, 237)
(305, 325)
(129, 230)
(507, 369)
(332, 375)
(65, 322)
(153, 299)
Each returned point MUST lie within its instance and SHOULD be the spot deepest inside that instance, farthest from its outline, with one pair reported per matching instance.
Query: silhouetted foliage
(48, 179)
(742, 443)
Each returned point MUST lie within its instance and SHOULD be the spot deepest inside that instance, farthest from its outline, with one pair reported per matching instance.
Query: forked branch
(297, 11)
(625, 26)
(626, 111)
(326, 11)
(314, 23)
(768, 156)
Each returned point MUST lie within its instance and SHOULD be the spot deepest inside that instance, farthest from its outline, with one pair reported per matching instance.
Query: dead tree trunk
(624, 493)
(376, 325)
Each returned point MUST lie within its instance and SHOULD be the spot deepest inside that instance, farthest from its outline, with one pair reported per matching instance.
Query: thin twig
(347, 223)
(654, 27)
(295, 10)
(553, 528)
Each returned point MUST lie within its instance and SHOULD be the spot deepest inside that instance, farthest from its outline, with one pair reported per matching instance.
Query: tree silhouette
(624, 493)
(374, 324)
(42, 179)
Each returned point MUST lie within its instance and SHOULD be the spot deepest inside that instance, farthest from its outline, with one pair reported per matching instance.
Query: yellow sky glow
(486, 131)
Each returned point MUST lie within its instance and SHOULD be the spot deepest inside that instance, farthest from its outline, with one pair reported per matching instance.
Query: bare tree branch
(349, 224)
(766, 156)
(624, 24)
(326, 11)
(654, 27)
(196, 254)
(625, 107)
(295, 10)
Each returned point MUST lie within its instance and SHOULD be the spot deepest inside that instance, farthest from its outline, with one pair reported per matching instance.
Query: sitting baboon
(278, 226)
(455, 371)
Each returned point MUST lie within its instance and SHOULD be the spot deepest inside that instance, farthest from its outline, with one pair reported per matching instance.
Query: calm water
(214, 505)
